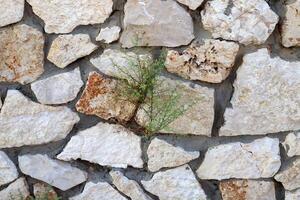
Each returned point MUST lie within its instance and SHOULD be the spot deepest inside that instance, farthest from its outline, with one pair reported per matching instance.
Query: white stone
(8, 170)
(156, 23)
(97, 191)
(289, 175)
(192, 4)
(54, 172)
(248, 22)
(292, 144)
(258, 159)
(62, 16)
(162, 154)
(179, 183)
(16, 190)
(128, 187)
(65, 49)
(105, 144)
(266, 96)
(23, 122)
(11, 11)
(109, 34)
(292, 195)
(58, 89)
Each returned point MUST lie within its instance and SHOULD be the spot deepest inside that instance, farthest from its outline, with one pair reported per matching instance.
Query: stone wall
(61, 125)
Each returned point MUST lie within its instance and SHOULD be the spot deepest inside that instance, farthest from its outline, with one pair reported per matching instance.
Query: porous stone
(247, 190)
(199, 102)
(209, 62)
(146, 23)
(54, 172)
(42, 191)
(179, 183)
(105, 144)
(109, 34)
(65, 49)
(292, 195)
(11, 11)
(21, 53)
(290, 29)
(16, 190)
(248, 22)
(8, 170)
(23, 122)
(100, 98)
(128, 187)
(258, 159)
(162, 154)
(62, 16)
(97, 191)
(192, 4)
(265, 98)
(289, 175)
(58, 89)
(292, 144)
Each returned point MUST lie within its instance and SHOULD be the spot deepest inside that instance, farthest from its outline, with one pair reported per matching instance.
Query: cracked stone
(11, 11)
(289, 175)
(192, 4)
(8, 170)
(292, 144)
(109, 34)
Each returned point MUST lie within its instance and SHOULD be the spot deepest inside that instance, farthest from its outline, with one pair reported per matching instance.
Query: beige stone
(289, 175)
(292, 195)
(42, 190)
(192, 4)
(11, 11)
(109, 34)
(292, 144)
(16, 190)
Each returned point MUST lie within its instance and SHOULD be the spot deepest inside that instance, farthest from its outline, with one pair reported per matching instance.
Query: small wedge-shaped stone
(8, 170)
(65, 49)
(109, 34)
(292, 144)
(192, 4)
(247, 190)
(258, 159)
(58, 89)
(266, 96)
(54, 172)
(23, 122)
(162, 154)
(100, 98)
(289, 175)
(21, 53)
(97, 191)
(62, 16)
(210, 62)
(292, 195)
(105, 144)
(248, 22)
(156, 23)
(179, 183)
(128, 187)
(16, 190)
(11, 11)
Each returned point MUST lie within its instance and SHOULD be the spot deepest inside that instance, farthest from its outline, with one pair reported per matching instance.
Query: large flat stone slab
(11, 11)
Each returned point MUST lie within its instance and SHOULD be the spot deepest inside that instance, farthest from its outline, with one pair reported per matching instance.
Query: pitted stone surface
(11, 11)
(292, 144)
(8, 170)
(289, 175)
(16, 190)
(109, 34)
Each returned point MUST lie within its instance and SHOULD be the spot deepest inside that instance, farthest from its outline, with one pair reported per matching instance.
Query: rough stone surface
(21, 53)
(65, 49)
(109, 34)
(105, 144)
(41, 190)
(58, 89)
(100, 98)
(258, 159)
(8, 170)
(210, 62)
(179, 183)
(292, 195)
(292, 144)
(198, 119)
(54, 172)
(192, 4)
(11, 11)
(62, 16)
(247, 190)
(162, 154)
(289, 175)
(16, 190)
(291, 25)
(128, 187)
(265, 98)
(96, 191)
(23, 122)
(248, 22)
(146, 23)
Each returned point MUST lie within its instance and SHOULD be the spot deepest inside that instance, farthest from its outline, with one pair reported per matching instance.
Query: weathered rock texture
(58, 89)
(210, 62)
(289, 175)
(146, 23)
(107, 145)
(264, 99)
(16, 190)
(292, 144)
(162, 154)
(109, 34)
(23, 122)
(11, 11)
(21, 53)
(179, 183)
(192, 4)
(8, 170)
(42, 191)
(292, 195)
(65, 49)
(258, 159)
(54, 172)
(62, 16)
(248, 22)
